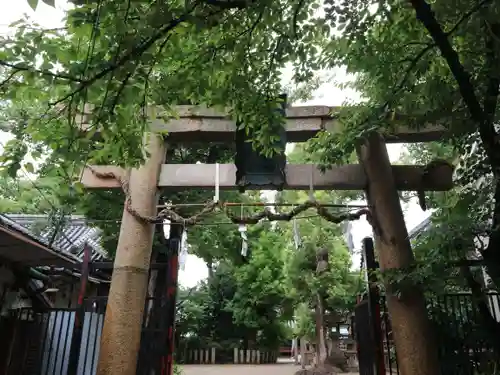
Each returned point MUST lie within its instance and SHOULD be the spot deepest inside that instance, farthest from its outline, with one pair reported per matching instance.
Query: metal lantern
(254, 170)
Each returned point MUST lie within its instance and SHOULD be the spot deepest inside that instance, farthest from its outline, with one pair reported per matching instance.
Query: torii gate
(381, 181)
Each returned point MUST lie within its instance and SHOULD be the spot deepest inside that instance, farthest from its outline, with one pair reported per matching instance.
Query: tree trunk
(303, 359)
(321, 353)
(295, 351)
(210, 267)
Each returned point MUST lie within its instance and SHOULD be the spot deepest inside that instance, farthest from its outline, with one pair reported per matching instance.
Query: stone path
(276, 369)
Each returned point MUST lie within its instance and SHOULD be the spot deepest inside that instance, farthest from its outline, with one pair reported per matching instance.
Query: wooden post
(235, 355)
(415, 346)
(121, 333)
(76, 339)
(213, 356)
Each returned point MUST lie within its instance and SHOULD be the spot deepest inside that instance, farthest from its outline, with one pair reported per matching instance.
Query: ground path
(275, 369)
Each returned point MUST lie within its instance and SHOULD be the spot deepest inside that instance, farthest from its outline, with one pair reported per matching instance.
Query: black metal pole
(374, 305)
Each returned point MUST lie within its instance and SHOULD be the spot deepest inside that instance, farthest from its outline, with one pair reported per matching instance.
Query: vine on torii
(169, 213)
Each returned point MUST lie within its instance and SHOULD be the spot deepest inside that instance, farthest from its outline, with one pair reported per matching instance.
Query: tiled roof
(69, 239)
(420, 228)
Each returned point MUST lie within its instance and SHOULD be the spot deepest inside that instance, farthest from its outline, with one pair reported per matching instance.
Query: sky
(328, 94)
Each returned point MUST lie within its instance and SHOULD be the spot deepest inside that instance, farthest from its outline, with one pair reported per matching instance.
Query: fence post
(235, 355)
(213, 356)
(242, 356)
(374, 305)
(76, 339)
(258, 357)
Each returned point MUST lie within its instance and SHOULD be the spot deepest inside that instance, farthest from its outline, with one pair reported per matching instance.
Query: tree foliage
(338, 286)
(420, 63)
(241, 304)
(125, 58)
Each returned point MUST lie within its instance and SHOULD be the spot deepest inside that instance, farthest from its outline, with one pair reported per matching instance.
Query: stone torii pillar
(121, 335)
(416, 350)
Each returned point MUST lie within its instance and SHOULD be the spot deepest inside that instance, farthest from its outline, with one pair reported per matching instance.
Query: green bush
(177, 369)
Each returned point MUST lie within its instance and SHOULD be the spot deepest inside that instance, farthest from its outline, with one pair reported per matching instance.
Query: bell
(253, 169)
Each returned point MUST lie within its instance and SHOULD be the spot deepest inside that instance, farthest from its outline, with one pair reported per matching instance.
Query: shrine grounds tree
(433, 63)
(321, 299)
(122, 58)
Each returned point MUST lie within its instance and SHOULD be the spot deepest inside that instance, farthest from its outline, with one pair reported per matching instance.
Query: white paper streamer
(348, 236)
(244, 239)
(296, 234)
(166, 228)
(217, 182)
(184, 250)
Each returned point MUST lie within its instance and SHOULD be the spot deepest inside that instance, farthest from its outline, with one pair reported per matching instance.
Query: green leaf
(33, 4)
(50, 3)
(29, 168)
(79, 187)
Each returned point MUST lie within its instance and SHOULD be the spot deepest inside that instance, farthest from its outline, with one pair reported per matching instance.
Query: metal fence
(39, 343)
(465, 339)
(466, 343)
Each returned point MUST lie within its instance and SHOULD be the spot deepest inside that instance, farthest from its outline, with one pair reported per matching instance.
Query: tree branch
(138, 51)
(22, 68)
(133, 53)
(492, 89)
(428, 46)
(229, 4)
(426, 16)
(467, 15)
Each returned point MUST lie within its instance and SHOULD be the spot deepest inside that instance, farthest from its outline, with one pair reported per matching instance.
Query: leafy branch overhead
(123, 57)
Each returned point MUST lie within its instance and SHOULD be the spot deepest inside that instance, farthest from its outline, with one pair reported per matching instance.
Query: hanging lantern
(254, 170)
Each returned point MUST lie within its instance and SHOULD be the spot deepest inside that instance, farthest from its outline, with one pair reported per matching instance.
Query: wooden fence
(222, 356)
